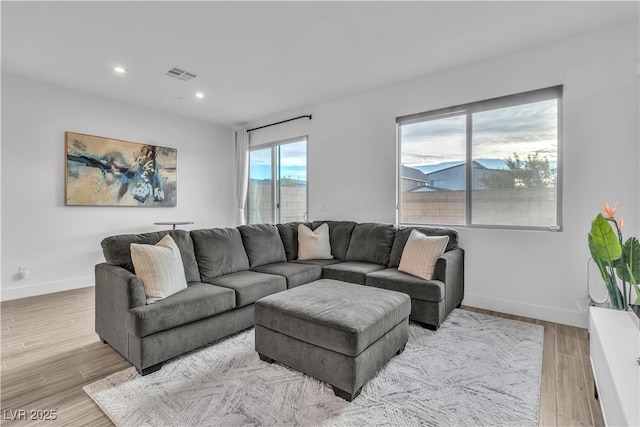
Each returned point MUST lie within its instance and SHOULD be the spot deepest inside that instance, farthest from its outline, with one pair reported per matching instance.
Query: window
(493, 163)
(278, 182)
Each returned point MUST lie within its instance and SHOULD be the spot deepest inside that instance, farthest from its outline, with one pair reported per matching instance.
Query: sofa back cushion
(339, 236)
(289, 236)
(262, 243)
(219, 251)
(117, 250)
(403, 233)
(371, 242)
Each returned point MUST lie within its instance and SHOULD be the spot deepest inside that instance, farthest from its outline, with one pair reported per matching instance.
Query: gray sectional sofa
(229, 269)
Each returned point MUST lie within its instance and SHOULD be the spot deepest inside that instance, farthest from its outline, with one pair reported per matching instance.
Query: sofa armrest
(450, 270)
(120, 280)
(117, 290)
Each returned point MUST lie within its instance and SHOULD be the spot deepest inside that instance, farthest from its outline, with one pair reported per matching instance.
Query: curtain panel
(242, 175)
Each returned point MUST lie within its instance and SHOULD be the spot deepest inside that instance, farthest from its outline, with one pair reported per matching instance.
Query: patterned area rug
(475, 370)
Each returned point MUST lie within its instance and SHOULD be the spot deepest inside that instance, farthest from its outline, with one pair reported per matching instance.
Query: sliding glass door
(278, 182)
(260, 182)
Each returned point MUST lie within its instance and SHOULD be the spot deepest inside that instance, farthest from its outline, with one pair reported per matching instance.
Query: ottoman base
(346, 374)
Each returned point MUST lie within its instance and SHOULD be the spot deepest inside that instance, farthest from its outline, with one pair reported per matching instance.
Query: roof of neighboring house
(416, 174)
(494, 164)
(475, 164)
(446, 168)
(426, 189)
(413, 174)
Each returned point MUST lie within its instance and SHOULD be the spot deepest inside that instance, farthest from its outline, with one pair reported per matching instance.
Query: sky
(293, 162)
(497, 134)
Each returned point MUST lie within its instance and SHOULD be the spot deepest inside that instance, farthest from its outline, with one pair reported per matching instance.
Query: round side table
(174, 223)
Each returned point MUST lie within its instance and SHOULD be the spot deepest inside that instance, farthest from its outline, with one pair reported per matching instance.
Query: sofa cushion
(421, 253)
(159, 268)
(219, 251)
(320, 262)
(350, 271)
(403, 233)
(262, 244)
(415, 287)
(296, 273)
(314, 244)
(250, 286)
(371, 242)
(339, 236)
(344, 318)
(198, 301)
(117, 250)
(289, 236)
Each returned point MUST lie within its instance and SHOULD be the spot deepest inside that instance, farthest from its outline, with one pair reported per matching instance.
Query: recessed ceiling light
(119, 70)
(199, 95)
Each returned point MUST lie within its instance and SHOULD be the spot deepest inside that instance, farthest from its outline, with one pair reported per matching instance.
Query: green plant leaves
(606, 252)
(629, 271)
(632, 259)
(604, 245)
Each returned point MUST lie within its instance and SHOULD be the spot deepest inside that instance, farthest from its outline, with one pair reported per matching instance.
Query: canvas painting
(110, 172)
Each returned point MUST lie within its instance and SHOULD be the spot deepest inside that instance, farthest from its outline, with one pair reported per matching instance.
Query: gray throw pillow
(371, 242)
(262, 244)
(219, 251)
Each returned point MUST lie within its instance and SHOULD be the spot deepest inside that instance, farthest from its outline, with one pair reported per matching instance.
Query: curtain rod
(278, 123)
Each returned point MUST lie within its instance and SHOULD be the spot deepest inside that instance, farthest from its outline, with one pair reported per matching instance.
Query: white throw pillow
(159, 267)
(314, 244)
(421, 253)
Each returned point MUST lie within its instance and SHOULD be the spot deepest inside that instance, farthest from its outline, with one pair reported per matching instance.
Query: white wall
(352, 151)
(61, 244)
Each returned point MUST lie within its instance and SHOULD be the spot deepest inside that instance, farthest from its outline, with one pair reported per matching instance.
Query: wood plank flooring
(50, 351)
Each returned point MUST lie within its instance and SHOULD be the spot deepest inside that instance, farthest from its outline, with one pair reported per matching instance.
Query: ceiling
(255, 59)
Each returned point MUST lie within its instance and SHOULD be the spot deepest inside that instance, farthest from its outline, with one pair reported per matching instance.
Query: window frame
(275, 167)
(545, 94)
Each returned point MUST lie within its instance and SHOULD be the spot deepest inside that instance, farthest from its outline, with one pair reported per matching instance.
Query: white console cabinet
(615, 348)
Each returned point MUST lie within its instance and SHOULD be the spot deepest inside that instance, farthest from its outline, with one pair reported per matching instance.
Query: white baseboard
(541, 312)
(7, 294)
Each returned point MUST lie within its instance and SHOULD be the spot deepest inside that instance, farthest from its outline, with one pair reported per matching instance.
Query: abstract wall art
(110, 172)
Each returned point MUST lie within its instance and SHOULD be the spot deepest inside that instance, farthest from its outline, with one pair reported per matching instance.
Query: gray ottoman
(337, 332)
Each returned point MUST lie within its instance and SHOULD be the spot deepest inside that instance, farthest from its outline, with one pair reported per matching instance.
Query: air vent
(180, 74)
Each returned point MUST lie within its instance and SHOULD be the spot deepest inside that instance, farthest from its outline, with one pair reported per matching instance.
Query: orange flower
(621, 223)
(610, 212)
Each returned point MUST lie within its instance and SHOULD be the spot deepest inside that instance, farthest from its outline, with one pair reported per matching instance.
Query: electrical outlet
(23, 271)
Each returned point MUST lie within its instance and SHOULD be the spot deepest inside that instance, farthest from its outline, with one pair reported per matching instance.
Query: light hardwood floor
(50, 351)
